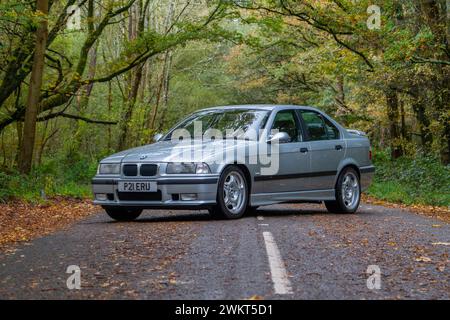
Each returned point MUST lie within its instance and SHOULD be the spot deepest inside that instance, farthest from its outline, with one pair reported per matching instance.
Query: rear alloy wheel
(348, 193)
(232, 194)
(123, 213)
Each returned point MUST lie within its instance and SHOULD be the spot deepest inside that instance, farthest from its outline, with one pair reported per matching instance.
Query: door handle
(303, 150)
(338, 147)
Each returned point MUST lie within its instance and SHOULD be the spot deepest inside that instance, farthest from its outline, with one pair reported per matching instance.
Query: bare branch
(417, 59)
(75, 117)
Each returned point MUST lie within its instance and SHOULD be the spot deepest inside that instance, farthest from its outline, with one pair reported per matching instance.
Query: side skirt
(261, 199)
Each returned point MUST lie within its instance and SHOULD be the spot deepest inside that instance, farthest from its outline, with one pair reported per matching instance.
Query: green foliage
(418, 180)
(54, 177)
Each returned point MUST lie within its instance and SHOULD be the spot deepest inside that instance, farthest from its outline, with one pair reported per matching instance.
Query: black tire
(123, 213)
(347, 203)
(215, 213)
(251, 210)
(222, 210)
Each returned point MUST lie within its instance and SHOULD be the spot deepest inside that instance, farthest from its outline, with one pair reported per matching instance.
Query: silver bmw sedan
(233, 159)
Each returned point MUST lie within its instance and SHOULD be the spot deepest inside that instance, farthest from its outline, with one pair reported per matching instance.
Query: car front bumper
(168, 195)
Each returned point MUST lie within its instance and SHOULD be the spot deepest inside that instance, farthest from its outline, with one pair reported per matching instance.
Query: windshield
(232, 123)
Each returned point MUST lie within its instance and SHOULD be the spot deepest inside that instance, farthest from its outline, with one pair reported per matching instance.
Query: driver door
(293, 156)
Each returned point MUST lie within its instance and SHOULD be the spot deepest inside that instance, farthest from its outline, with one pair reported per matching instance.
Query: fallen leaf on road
(423, 259)
(23, 221)
(442, 213)
(255, 297)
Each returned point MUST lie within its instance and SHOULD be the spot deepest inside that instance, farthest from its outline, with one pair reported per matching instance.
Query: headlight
(109, 168)
(187, 167)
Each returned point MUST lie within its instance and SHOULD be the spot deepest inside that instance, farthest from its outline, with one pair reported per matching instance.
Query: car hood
(168, 151)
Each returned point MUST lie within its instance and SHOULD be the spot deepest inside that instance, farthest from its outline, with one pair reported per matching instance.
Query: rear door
(327, 149)
(294, 159)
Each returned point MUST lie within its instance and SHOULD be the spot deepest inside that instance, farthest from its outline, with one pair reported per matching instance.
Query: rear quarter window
(319, 127)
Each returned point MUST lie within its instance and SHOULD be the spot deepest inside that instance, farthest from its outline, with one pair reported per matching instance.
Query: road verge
(24, 221)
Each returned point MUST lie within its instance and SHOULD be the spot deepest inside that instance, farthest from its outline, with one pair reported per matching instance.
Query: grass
(53, 178)
(402, 193)
(418, 180)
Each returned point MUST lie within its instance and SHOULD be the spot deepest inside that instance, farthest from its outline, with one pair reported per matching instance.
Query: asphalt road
(281, 252)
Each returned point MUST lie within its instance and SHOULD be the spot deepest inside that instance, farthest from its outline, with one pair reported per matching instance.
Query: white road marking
(260, 218)
(280, 280)
(441, 243)
(263, 224)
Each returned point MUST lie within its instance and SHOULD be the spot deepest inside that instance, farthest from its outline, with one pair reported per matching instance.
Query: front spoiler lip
(179, 205)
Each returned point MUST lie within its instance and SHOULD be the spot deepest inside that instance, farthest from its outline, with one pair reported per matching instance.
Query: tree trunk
(404, 130)
(445, 153)
(87, 89)
(158, 99)
(129, 109)
(444, 108)
(19, 126)
(426, 138)
(32, 108)
(45, 140)
(136, 27)
(109, 112)
(393, 118)
(340, 95)
(164, 80)
(80, 143)
(3, 150)
(167, 64)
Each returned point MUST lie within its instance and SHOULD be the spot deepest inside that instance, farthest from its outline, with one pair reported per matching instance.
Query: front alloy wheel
(232, 194)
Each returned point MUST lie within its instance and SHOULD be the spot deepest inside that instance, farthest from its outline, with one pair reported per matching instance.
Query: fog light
(101, 196)
(188, 196)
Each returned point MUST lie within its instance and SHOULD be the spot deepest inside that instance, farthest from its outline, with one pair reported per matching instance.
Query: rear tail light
(370, 154)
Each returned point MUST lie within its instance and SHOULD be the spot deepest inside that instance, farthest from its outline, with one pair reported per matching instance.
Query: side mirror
(281, 137)
(157, 137)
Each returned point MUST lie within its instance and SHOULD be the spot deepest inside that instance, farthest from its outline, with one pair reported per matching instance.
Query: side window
(333, 132)
(318, 127)
(286, 121)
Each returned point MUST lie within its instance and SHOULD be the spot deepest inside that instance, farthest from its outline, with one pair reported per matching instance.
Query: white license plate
(137, 186)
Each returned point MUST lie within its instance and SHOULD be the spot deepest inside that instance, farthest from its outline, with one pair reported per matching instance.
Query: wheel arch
(244, 169)
(345, 166)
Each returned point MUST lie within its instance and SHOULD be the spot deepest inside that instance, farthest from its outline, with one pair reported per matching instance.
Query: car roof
(268, 107)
